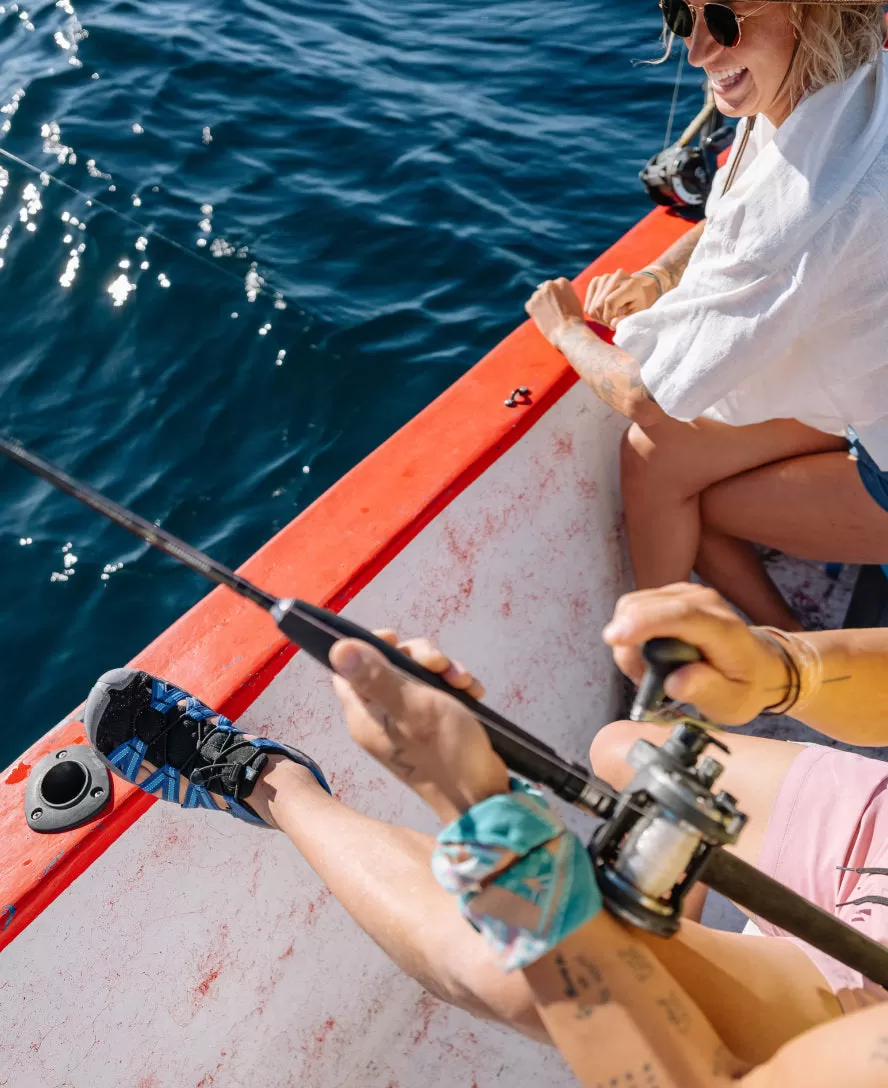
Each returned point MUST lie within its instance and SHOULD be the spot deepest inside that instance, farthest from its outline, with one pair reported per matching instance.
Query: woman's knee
(654, 462)
(636, 451)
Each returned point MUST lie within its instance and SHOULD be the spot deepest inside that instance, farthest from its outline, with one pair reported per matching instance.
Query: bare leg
(734, 567)
(814, 507)
(665, 469)
(754, 772)
(715, 968)
(757, 992)
(382, 877)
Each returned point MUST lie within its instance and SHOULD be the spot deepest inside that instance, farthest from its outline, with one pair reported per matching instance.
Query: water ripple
(398, 176)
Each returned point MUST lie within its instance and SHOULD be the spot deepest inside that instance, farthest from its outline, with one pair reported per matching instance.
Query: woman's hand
(424, 737)
(742, 672)
(555, 308)
(611, 298)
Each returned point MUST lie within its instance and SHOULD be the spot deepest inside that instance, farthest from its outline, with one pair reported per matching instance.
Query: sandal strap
(231, 761)
(236, 763)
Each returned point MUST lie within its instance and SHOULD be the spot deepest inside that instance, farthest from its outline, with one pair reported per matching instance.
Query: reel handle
(663, 657)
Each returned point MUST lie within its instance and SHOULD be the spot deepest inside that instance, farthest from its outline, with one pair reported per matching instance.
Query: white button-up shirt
(782, 311)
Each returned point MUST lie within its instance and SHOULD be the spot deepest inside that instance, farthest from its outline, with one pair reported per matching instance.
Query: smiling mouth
(725, 82)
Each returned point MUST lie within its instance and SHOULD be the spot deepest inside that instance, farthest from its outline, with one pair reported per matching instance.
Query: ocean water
(295, 223)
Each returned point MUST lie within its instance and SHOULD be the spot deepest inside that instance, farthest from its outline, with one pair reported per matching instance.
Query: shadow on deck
(869, 601)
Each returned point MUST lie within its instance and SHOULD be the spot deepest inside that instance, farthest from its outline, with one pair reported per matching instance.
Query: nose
(702, 47)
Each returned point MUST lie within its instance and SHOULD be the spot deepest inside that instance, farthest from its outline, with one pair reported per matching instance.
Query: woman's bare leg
(754, 772)
(735, 568)
(757, 992)
(814, 507)
(665, 469)
(710, 964)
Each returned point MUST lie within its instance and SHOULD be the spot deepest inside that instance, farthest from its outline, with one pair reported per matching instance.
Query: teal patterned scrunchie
(543, 887)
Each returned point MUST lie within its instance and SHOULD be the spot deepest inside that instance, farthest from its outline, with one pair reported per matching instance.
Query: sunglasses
(722, 22)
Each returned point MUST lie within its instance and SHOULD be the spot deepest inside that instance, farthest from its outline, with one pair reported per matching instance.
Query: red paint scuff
(18, 774)
(426, 1008)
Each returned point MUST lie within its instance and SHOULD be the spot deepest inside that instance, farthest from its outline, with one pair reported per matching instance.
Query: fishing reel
(681, 176)
(655, 844)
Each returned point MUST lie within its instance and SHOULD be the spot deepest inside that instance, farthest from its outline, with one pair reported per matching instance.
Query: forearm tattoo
(614, 375)
(584, 984)
(676, 259)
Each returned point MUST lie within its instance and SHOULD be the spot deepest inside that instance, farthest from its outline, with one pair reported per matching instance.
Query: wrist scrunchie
(523, 880)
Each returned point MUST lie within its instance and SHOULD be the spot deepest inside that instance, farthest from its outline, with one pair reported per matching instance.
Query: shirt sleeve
(722, 324)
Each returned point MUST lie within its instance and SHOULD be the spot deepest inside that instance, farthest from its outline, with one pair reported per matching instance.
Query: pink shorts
(831, 812)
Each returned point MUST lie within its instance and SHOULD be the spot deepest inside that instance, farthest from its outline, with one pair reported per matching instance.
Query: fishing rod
(316, 630)
(659, 836)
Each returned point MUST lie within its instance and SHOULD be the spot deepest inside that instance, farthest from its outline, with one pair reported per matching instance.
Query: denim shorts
(875, 479)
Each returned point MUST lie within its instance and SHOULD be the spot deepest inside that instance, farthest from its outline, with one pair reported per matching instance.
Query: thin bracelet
(810, 665)
(804, 666)
(655, 278)
(783, 643)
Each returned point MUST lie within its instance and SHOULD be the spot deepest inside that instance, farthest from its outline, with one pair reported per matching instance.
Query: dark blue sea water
(397, 174)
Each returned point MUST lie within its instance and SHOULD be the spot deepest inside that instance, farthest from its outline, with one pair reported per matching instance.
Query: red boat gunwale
(227, 651)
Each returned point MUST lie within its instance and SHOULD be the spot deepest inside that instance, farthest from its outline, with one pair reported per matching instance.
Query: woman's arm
(850, 701)
(844, 673)
(614, 375)
(779, 990)
(607, 1002)
(614, 296)
(611, 373)
(675, 260)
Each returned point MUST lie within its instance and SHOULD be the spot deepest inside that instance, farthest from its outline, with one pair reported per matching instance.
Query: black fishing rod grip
(663, 656)
(765, 897)
(316, 631)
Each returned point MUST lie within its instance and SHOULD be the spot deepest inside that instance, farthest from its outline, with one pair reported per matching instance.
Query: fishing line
(153, 232)
(672, 111)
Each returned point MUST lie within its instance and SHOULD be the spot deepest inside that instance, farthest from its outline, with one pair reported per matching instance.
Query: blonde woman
(752, 357)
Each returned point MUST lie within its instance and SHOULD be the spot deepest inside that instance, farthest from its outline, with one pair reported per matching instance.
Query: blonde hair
(835, 40)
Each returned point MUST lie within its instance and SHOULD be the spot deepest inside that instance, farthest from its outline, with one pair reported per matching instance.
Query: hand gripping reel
(653, 849)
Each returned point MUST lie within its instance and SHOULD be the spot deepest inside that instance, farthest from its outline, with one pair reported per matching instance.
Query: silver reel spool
(653, 849)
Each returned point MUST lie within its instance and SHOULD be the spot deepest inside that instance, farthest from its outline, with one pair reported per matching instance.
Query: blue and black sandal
(134, 720)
